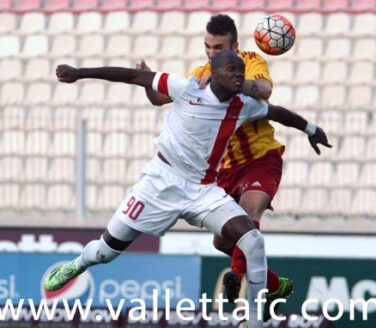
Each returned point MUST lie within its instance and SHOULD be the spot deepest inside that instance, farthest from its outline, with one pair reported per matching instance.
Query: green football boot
(284, 290)
(243, 324)
(60, 276)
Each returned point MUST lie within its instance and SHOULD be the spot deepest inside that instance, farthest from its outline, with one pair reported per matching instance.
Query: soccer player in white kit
(179, 182)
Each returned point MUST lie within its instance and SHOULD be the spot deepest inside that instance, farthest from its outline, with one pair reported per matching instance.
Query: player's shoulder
(201, 71)
(177, 78)
(189, 87)
(250, 56)
(192, 83)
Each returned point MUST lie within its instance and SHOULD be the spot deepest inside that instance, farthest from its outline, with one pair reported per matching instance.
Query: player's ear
(235, 46)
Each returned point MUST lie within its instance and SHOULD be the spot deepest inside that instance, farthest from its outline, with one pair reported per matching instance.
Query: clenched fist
(67, 74)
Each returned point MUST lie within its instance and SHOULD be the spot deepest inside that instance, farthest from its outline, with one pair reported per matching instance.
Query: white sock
(252, 245)
(96, 251)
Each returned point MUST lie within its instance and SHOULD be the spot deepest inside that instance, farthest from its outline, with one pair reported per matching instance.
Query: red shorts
(263, 174)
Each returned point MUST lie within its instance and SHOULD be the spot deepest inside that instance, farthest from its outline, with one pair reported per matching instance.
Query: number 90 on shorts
(134, 208)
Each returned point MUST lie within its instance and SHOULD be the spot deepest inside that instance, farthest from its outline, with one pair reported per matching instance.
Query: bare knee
(223, 245)
(236, 227)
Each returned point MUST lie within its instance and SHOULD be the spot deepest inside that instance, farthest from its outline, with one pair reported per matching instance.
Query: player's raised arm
(316, 135)
(69, 74)
(258, 82)
(155, 97)
(259, 89)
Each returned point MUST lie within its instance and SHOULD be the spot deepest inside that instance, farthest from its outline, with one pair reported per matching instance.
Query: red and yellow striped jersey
(252, 140)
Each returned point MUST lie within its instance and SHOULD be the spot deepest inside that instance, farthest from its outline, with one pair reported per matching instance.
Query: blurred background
(69, 153)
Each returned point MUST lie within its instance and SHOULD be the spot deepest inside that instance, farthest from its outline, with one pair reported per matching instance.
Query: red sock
(272, 283)
(239, 267)
(238, 264)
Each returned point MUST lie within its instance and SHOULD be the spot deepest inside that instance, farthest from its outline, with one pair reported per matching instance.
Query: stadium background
(328, 77)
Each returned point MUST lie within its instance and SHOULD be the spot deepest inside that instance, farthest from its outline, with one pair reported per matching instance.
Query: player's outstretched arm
(316, 135)
(155, 97)
(69, 74)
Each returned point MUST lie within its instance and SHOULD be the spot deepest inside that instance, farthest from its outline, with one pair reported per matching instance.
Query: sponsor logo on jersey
(196, 103)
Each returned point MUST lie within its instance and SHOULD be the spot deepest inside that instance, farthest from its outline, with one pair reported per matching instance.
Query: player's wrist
(80, 73)
(310, 129)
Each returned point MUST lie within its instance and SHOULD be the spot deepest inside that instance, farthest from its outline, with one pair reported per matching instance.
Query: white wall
(278, 245)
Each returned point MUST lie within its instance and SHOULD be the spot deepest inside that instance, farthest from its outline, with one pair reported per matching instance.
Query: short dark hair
(221, 25)
(223, 57)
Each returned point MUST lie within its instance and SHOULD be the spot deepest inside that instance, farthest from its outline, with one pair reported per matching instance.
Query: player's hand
(203, 82)
(141, 65)
(319, 138)
(67, 74)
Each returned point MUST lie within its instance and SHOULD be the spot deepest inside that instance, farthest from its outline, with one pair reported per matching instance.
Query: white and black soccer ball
(274, 35)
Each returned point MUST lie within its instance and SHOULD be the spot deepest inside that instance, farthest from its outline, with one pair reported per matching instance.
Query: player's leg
(116, 238)
(249, 240)
(255, 202)
(254, 188)
(152, 206)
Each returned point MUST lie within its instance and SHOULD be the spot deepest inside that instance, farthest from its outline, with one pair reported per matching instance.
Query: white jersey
(197, 129)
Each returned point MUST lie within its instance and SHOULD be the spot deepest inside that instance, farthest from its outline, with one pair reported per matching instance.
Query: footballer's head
(221, 34)
(228, 71)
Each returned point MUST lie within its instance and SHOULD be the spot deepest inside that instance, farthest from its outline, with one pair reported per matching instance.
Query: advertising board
(130, 276)
(67, 240)
(346, 288)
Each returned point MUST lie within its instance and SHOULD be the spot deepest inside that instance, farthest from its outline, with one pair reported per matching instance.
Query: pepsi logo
(81, 287)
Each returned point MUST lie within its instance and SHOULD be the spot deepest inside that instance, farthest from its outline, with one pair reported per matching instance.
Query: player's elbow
(162, 100)
(156, 102)
(266, 92)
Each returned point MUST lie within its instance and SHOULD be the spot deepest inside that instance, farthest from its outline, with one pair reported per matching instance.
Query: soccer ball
(274, 35)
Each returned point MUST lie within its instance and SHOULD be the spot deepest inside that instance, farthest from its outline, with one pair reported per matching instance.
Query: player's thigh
(118, 230)
(217, 218)
(228, 221)
(215, 209)
(255, 202)
(204, 203)
(147, 207)
(263, 175)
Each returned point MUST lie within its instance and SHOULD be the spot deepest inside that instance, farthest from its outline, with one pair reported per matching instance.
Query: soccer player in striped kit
(251, 169)
(180, 182)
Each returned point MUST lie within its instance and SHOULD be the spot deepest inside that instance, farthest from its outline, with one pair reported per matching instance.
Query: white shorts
(161, 196)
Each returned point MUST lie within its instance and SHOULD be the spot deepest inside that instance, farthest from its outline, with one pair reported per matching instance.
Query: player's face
(217, 43)
(231, 76)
